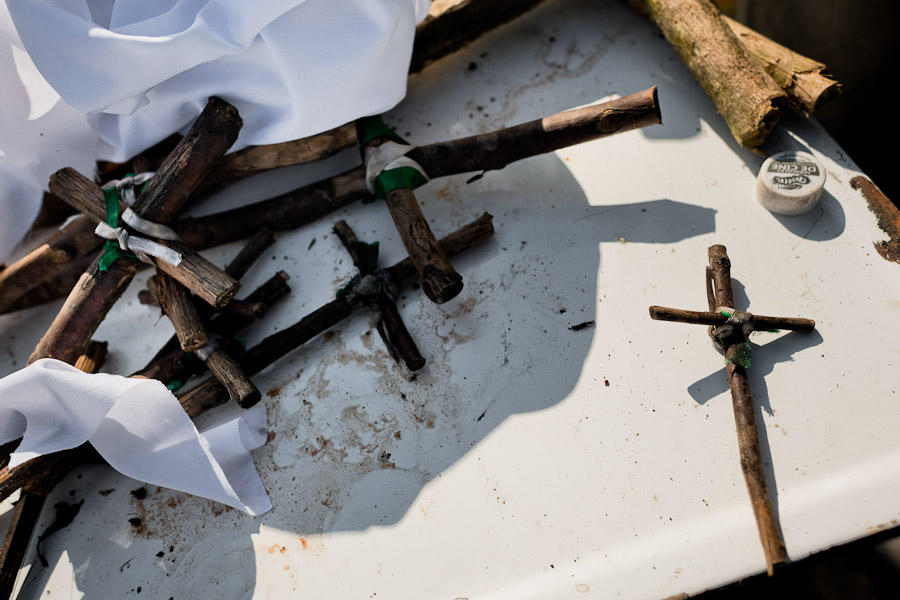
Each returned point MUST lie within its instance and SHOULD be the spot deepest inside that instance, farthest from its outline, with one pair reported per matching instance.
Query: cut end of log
(194, 342)
(226, 296)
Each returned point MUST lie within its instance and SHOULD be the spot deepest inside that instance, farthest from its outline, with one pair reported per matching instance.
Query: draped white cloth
(143, 70)
(138, 426)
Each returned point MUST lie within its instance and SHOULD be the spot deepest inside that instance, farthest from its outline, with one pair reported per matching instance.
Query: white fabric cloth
(138, 426)
(39, 134)
(143, 70)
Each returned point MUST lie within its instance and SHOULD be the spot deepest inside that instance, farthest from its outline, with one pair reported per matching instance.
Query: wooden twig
(451, 24)
(499, 148)
(745, 95)
(46, 261)
(21, 529)
(257, 159)
(390, 325)
(242, 308)
(171, 364)
(661, 313)
(250, 253)
(91, 361)
(231, 376)
(175, 301)
(209, 394)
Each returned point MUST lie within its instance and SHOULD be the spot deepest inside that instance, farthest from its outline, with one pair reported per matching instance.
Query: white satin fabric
(144, 69)
(138, 426)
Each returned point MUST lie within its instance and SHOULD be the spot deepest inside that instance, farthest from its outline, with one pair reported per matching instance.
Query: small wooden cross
(389, 323)
(729, 329)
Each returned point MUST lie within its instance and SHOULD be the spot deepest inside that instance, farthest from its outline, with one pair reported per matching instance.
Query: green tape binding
(742, 355)
(111, 249)
(401, 178)
(368, 262)
(371, 128)
(743, 352)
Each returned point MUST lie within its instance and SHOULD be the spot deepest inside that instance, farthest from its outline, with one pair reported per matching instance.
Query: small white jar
(790, 183)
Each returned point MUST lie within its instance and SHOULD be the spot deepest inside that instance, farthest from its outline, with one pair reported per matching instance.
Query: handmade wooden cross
(380, 297)
(729, 329)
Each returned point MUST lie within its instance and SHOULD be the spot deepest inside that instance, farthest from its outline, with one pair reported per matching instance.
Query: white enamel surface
(515, 471)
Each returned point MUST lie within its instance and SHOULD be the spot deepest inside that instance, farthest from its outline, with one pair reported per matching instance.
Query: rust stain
(887, 214)
(275, 391)
(304, 543)
(270, 436)
(276, 548)
(883, 526)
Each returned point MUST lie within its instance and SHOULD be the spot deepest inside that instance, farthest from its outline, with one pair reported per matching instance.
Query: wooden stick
(746, 96)
(250, 253)
(499, 148)
(231, 376)
(389, 323)
(256, 159)
(886, 213)
(85, 308)
(450, 25)
(745, 420)
(176, 302)
(46, 261)
(91, 361)
(804, 80)
(661, 313)
(210, 393)
(242, 308)
(171, 363)
(15, 545)
(208, 139)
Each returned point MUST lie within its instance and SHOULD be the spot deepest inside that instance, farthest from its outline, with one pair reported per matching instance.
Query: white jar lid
(790, 183)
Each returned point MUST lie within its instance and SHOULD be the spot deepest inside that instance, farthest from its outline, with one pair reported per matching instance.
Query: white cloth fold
(291, 67)
(138, 426)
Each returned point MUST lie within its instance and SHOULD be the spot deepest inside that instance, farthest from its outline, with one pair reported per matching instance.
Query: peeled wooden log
(745, 95)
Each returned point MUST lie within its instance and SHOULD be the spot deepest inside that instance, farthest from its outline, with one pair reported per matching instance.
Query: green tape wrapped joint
(742, 353)
(401, 178)
(111, 249)
(368, 262)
